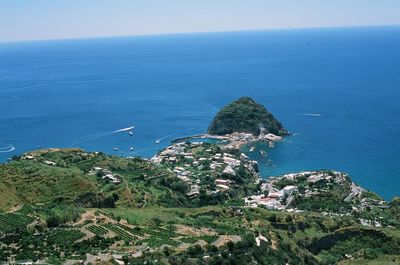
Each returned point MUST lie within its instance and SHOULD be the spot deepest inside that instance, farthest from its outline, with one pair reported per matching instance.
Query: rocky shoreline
(275, 193)
(233, 140)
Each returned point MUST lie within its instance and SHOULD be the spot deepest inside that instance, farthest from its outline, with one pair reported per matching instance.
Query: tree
(195, 250)
(289, 218)
(53, 221)
(230, 245)
(273, 218)
(167, 251)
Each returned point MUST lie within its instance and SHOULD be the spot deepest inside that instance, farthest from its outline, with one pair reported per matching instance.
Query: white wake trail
(124, 129)
(101, 135)
(312, 114)
(7, 148)
(172, 134)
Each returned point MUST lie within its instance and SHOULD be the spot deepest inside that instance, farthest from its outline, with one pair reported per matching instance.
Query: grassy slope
(8, 197)
(32, 181)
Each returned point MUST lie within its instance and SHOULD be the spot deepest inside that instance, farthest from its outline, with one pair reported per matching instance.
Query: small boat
(271, 144)
(263, 153)
(158, 141)
(115, 148)
(130, 133)
(252, 149)
(131, 148)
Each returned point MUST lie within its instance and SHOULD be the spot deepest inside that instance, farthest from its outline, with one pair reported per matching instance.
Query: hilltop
(245, 115)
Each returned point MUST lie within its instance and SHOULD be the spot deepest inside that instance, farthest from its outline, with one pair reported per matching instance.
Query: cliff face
(245, 115)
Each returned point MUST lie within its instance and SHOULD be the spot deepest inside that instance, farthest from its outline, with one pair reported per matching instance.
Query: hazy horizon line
(199, 32)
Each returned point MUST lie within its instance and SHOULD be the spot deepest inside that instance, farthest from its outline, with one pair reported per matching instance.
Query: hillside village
(195, 163)
(193, 202)
(206, 170)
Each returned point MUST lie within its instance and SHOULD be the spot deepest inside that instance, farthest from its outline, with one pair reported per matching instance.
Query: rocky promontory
(247, 116)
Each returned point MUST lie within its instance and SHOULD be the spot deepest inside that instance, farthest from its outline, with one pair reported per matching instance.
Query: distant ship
(130, 133)
(115, 149)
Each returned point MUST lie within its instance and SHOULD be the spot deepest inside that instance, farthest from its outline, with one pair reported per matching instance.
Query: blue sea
(337, 90)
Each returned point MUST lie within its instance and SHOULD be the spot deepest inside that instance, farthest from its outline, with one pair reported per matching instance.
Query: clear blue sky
(54, 19)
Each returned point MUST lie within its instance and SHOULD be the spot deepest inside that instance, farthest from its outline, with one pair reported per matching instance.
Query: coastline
(198, 136)
(235, 140)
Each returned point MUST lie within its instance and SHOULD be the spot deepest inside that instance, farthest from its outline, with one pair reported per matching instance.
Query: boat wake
(312, 114)
(6, 148)
(165, 137)
(124, 129)
(101, 135)
(172, 134)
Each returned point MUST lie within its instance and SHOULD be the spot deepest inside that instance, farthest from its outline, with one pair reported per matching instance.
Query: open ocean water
(78, 93)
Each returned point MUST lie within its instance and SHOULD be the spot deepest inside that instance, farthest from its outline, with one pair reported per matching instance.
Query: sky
(60, 19)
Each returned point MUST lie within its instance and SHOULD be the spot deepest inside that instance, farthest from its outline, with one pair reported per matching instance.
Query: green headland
(245, 115)
(192, 203)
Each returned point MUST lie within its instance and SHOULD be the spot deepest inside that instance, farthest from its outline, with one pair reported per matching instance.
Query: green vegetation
(203, 170)
(245, 115)
(71, 182)
(12, 223)
(381, 260)
(64, 236)
(122, 233)
(97, 230)
(149, 214)
(186, 206)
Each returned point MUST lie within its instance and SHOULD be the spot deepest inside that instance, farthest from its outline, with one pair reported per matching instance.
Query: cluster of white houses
(280, 199)
(273, 201)
(237, 139)
(217, 162)
(106, 174)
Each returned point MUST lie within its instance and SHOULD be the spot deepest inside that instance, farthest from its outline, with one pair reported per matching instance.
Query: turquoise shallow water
(80, 92)
(206, 140)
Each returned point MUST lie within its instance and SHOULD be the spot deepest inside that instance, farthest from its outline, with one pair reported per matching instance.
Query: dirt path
(274, 243)
(222, 240)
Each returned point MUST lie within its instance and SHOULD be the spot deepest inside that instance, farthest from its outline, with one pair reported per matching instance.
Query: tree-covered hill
(245, 115)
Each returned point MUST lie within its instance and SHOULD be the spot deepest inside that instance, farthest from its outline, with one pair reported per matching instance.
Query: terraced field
(97, 230)
(160, 236)
(126, 236)
(64, 236)
(12, 222)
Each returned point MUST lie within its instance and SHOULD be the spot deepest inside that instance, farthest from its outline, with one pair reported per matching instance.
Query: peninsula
(243, 121)
(194, 202)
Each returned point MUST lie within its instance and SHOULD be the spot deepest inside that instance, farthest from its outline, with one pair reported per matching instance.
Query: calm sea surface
(80, 92)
